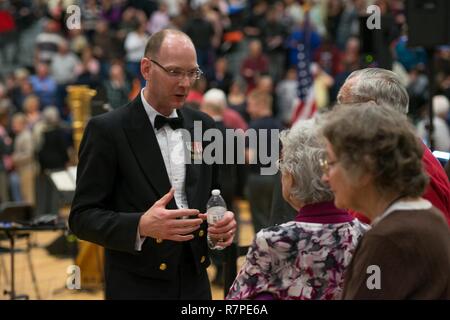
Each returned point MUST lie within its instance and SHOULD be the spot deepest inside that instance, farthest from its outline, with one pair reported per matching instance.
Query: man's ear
(146, 66)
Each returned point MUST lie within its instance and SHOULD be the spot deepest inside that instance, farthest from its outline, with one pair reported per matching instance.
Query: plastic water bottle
(216, 207)
(215, 210)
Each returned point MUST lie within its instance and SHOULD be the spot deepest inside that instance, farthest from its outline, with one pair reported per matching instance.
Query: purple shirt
(323, 212)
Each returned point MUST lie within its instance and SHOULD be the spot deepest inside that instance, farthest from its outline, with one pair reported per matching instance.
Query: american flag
(305, 107)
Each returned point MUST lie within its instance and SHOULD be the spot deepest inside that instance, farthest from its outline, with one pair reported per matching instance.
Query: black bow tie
(174, 123)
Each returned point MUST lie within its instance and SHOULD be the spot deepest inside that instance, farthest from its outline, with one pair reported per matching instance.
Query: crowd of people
(248, 56)
(241, 46)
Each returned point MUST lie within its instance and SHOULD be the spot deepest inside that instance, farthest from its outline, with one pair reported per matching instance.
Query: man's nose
(186, 81)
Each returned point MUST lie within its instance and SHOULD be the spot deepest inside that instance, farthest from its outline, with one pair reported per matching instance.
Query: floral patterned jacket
(301, 259)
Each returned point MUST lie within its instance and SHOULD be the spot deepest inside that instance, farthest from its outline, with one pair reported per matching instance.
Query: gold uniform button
(202, 259)
(159, 240)
(162, 266)
(201, 233)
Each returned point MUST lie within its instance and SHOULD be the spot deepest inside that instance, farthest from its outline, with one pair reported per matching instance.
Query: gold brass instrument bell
(79, 98)
(90, 256)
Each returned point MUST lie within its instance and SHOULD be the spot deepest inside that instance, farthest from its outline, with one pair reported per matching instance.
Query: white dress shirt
(173, 152)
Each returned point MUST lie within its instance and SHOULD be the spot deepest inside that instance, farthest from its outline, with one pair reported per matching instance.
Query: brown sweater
(412, 251)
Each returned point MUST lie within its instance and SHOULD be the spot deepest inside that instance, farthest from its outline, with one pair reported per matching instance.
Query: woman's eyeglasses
(326, 165)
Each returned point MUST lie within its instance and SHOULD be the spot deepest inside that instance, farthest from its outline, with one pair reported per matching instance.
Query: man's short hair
(382, 86)
(440, 105)
(154, 43)
(215, 99)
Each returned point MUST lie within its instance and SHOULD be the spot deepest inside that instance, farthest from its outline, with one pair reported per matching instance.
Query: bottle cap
(215, 192)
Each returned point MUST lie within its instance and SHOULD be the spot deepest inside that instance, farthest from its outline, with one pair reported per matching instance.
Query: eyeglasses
(326, 165)
(180, 74)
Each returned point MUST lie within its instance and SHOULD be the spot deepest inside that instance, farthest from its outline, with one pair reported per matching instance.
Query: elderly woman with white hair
(305, 258)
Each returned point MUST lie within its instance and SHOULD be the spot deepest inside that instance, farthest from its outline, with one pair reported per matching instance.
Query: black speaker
(366, 37)
(428, 22)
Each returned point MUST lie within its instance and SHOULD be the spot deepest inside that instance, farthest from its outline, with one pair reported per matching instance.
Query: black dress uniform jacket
(121, 173)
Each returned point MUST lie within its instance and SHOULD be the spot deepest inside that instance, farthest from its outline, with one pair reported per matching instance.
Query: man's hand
(161, 223)
(222, 232)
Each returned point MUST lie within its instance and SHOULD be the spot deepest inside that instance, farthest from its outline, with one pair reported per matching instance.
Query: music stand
(16, 219)
(63, 181)
(12, 214)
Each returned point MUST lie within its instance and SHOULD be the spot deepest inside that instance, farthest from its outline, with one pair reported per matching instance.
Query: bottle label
(215, 214)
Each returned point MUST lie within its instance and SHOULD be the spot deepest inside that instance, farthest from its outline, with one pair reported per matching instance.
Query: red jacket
(438, 190)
